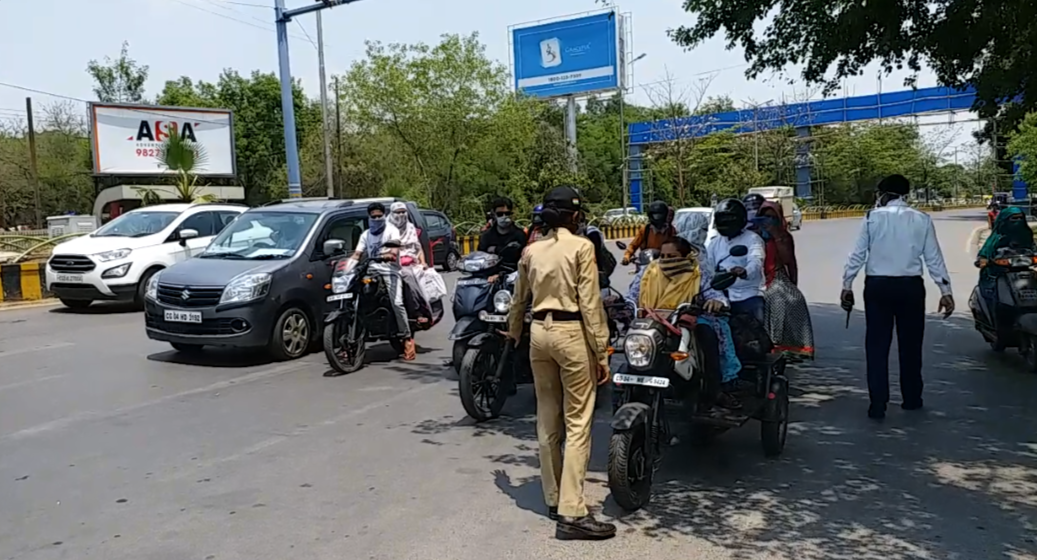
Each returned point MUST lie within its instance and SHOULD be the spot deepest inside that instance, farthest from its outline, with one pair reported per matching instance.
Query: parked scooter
(475, 294)
(664, 362)
(1012, 321)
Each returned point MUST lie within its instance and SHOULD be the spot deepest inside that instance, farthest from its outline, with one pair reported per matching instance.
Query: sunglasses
(503, 214)
(378, 217)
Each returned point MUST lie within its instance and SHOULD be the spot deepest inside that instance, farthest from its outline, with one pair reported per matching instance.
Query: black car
(443, 238)
(261, 282)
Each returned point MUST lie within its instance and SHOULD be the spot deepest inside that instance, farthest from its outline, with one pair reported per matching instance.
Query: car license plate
(340, 297)
(657, 382)
(70, 278)
(183, 316)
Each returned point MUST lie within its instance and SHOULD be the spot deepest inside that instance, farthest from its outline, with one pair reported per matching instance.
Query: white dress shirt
(894, 240)
(718, 250)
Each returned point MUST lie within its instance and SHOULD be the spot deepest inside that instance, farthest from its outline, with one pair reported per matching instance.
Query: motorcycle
(1012, 321)
(363, 312)
(474, 295)
(665, 364)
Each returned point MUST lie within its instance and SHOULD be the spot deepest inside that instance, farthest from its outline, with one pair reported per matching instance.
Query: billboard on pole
(127, 139)
(574, 56)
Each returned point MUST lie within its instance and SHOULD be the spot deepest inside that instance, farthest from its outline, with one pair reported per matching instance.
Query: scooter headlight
(639, 350)
(502, 301)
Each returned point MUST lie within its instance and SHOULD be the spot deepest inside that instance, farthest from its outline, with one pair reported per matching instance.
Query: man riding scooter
(652, 236)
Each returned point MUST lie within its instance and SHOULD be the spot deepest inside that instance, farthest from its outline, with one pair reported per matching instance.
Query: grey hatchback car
(262, 282)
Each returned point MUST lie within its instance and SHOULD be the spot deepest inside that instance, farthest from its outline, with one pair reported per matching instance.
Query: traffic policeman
(569, 357)
(894, 241)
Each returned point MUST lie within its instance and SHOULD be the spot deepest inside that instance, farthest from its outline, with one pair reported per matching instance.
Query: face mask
(504, 222)
(377, 225)
(538, 221)
(398, 220)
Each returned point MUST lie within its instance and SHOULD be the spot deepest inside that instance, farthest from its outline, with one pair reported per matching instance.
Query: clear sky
(46, 44)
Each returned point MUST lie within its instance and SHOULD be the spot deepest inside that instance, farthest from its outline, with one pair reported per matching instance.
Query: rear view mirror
(334, 247)
(392, 244)
(513, 245)
(739, 251)
(186, 234)
(622, 246)
(723, 281)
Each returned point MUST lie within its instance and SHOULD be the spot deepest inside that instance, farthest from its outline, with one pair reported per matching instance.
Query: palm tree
(183, 157)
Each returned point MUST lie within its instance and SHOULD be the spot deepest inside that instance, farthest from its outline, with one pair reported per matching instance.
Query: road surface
(113, 447)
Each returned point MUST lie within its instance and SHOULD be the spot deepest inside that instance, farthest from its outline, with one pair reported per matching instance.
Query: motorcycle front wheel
(481, 396)
(630, 468)
(345, 351)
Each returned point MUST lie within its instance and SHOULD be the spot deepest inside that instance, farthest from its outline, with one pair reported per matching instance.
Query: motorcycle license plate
(494, 318)
(340, 297)
(656, 382)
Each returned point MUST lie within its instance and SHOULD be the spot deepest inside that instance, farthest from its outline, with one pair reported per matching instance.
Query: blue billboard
(570, 57)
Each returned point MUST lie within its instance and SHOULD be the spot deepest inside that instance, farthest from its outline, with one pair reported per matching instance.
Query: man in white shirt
(746, 295)
(893, 242)
(381, 241)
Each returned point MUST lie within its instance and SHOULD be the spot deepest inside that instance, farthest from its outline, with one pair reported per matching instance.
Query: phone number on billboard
(565, 77)
(149, 152)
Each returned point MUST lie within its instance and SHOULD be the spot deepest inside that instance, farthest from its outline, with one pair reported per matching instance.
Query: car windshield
(262, 235)
(137, 224)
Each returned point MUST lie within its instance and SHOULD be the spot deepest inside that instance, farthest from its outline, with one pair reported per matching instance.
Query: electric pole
(324, 108)
(35, 172)
(282, 17)
(338, 135)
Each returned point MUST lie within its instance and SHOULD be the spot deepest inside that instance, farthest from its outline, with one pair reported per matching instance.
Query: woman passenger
(787, 315)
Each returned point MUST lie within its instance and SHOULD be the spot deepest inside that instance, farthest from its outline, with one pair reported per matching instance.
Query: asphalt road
(114, 447)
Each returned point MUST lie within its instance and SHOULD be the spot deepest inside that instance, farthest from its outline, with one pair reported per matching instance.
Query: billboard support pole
(570, 132)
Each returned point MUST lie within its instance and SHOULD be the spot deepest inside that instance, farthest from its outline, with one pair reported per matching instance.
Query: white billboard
(127, 139)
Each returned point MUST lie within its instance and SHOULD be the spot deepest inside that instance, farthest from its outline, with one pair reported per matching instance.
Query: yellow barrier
(468, 243)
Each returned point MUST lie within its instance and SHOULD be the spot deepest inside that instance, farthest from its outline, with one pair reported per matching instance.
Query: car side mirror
(334, 247)
(186, 234)
(739, 251)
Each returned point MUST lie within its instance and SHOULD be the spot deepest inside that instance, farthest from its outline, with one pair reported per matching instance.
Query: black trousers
(894, 302)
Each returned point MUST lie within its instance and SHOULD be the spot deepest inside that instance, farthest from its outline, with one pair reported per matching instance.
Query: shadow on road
(98, 308)
(956, 481)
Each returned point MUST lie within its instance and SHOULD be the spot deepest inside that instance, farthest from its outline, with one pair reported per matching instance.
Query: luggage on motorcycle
(432, 284)
(418, 308)
(752, 343)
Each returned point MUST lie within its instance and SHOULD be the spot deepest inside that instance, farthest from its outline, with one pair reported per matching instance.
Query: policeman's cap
(564, 198)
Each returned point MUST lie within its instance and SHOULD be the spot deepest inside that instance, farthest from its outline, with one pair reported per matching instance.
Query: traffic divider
(468, 243)
(23, 282)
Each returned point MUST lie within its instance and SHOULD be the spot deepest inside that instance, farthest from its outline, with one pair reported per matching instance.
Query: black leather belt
(558, 315)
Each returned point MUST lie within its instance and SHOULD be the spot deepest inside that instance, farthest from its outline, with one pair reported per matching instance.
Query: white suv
(115, 262)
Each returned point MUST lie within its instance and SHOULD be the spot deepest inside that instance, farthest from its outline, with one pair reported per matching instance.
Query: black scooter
(474, 295)
(1012, 321)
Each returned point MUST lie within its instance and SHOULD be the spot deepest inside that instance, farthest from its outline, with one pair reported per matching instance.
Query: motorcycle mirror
(739, 251)
(333, 247)
(723, 281)
(622, 246)
(513, 245)
(392, 244)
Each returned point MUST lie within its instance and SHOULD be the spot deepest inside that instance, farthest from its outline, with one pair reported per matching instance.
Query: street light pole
(282, 17)
(623, 140)
(328, 174)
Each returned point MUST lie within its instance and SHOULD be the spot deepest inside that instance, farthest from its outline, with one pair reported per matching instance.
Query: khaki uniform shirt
(560, 273)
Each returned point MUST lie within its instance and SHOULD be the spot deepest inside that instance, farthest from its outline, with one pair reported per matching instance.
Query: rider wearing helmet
(753, 202)
(746, 294)
(536, 229)
(658, 230)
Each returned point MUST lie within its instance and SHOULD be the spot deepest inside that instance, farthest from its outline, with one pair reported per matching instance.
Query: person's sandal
(409, 351)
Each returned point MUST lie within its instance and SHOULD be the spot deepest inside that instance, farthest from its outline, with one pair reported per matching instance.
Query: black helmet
(658, 213)
(730, 217)
(753, 202)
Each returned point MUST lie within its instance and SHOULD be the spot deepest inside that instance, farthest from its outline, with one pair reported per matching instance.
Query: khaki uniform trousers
(565, 381)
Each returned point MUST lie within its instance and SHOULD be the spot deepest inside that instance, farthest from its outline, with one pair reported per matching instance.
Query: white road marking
(30, 382)
(973, 241)
(7, 353)
(62, 423)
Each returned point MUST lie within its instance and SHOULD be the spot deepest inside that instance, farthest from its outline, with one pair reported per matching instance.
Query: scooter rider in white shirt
(894, 241)
(746, 295)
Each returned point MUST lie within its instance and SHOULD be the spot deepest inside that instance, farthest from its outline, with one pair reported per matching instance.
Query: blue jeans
(752, 306)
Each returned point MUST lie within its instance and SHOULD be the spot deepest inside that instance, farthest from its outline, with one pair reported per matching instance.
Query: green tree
(1022, 144)
(984, 43)
(119, 80)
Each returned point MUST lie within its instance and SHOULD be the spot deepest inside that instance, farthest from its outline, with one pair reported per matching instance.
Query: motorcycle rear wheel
(334, 341)
(481, 398)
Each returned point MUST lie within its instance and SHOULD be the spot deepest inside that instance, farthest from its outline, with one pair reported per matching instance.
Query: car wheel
(452, 259)
(142, 288)
(76, 303)
(291, 336)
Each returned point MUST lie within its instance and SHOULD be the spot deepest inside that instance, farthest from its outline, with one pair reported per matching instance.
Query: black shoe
(911, 405)
(552, 513)
(584, 528)
(877, 411)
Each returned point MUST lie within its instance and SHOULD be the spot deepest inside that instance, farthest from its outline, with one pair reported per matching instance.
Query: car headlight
(117, 271)
(639, 350)
(115, 255)
(339, 284)
(502, 301)
(246, 287)
(151, 290)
